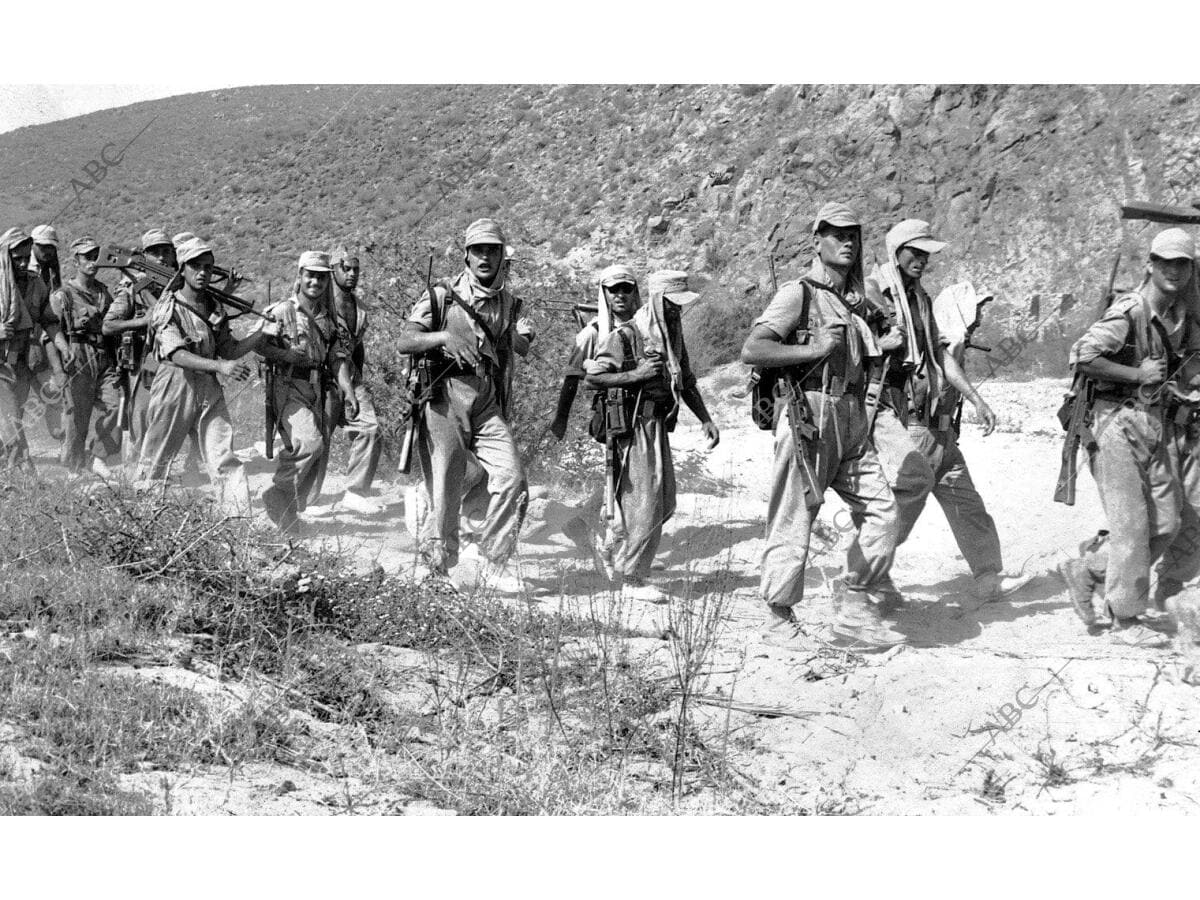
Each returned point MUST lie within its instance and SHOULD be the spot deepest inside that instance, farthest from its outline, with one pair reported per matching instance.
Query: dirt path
(1008, 706)
(1005, 706)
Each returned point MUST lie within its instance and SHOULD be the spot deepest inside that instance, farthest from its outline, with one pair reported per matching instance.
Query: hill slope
(1024, 181)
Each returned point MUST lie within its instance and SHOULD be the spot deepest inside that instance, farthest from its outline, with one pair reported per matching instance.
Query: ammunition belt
(1131, 398)
(482, 369)
(301, 372)
(837, 385)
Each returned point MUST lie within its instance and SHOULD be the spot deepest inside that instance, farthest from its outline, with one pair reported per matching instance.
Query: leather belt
(95, 340)
(301, 372)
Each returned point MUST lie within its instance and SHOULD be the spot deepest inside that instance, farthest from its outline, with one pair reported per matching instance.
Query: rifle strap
(474, 317)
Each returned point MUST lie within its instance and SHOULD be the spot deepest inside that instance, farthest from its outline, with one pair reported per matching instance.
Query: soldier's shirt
(496, 312)
(1123, 331)
(613, 357)
(783, 313)
(920, 309)
(584, 350)
(33, 306)
(86, 308)
(202, 329)
(318, 334)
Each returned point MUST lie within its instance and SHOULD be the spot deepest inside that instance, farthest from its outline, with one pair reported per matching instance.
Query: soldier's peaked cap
(915, 233)
(193, 249)
(155, 237)
(1173, 243)
(45, 234)
(836, 214)
(484, 231)
(672, 284)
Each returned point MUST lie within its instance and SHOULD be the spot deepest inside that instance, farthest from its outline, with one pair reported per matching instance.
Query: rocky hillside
(1024, 181)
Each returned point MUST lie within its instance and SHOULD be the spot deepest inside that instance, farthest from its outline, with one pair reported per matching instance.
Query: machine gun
(1076, 414)
(146, 273)
(420, 381)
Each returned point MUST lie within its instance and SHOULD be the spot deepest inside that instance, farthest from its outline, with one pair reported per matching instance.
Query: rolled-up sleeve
(583, 351)
(422, 313)
(121, 308)
(782, 314)
(1104, 338)
(168, 339)
(610, 357)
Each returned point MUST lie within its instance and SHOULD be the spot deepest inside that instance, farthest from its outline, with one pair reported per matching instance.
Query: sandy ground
(1008, 706)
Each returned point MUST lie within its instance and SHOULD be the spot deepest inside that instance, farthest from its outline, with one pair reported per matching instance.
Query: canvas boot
(859, 626)
(1081, 584)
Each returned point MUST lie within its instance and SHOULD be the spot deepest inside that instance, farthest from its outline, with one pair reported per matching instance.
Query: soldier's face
(20, 255)
(1170, 276)
(87, 262)
(621, 297)
(198, 271)
(45, 254)
(837, 246)
(484, 261)
(313, 284)
(345, 273)
(163, 254)
(912, 262)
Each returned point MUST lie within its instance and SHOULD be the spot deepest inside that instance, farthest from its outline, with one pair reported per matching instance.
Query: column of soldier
(860, 376)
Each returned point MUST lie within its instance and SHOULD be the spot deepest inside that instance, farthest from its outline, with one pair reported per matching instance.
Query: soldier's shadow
(693, 542)
(946, 613)
(692, 476)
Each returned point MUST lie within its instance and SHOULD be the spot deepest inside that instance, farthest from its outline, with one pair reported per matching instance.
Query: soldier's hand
(58, 381)
(986, 416)
(235, 369)
(525, 327)
(269, 329)
(712, 433)
(6, 331)
(893, 340)
(1153, 370)
(461, 349)
(558, 428)
(351, 407)
(827, 337)
(649, 367)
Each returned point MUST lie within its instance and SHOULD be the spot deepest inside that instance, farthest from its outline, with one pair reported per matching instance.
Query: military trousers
(92, 387)
(182, 403)
(16, 380)
(302, 433)
(365, 447)
(464, 424)
(920, 461)
(1141, 495)
(645, 496)
(840, 457)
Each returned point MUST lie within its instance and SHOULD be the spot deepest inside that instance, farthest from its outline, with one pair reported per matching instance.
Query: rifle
(127, 365)
(269, 417)
(1076, 417)
(1162, 213)
(420, 381)
(761, 386)
(147, 273)
(1075, 414)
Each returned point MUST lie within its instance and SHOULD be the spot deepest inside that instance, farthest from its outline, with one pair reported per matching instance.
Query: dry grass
(524, 712)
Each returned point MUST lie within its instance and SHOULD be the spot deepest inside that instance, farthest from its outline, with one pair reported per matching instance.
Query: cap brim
(1171, 254)
(929, 245)
(682, 298)
(317, 268)
(609, 282)
(46, 243)
(836, 222)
